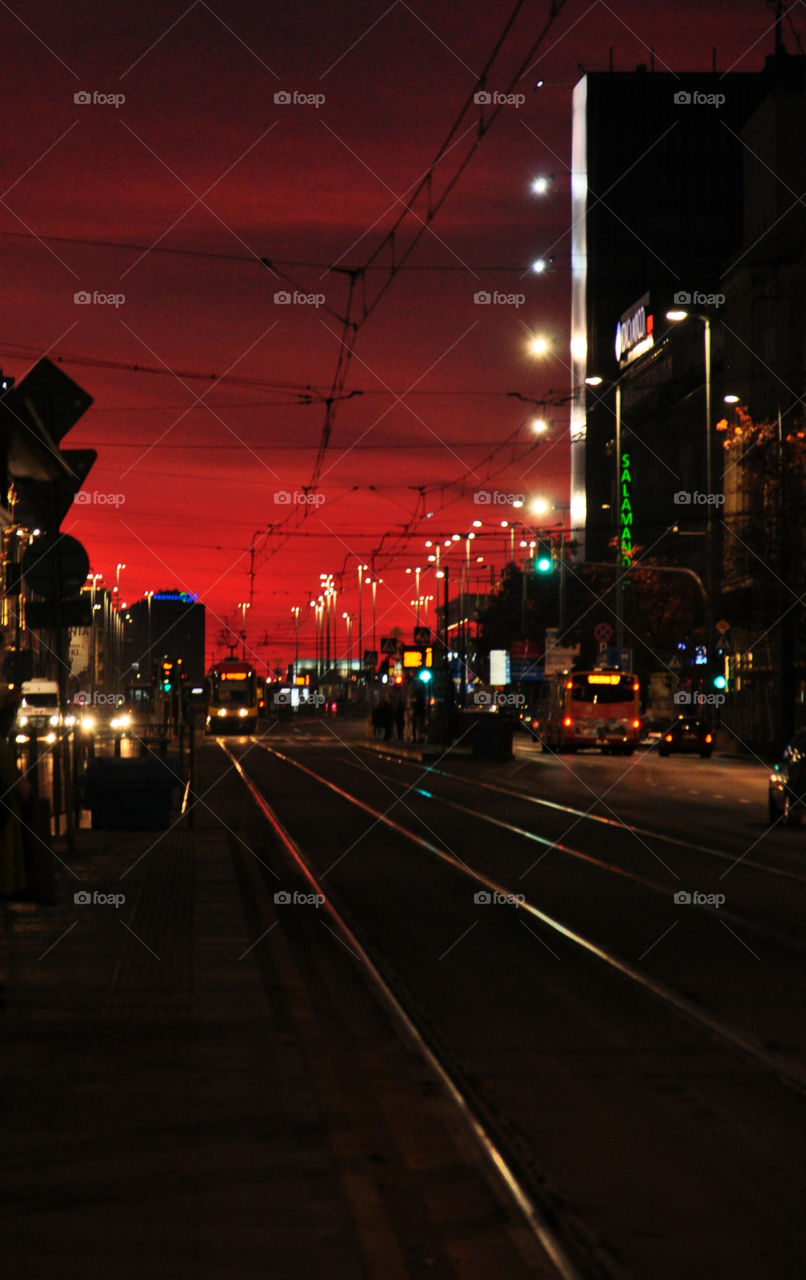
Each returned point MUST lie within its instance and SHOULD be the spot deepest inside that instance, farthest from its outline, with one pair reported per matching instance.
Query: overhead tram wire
(351, 327)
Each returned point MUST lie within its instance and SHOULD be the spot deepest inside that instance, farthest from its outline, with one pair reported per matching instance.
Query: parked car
(787, 788)
(686, 735)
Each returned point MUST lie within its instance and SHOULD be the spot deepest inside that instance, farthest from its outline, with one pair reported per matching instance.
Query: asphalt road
(646, 1053)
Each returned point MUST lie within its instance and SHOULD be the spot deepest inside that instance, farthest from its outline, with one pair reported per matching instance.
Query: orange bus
(597, 708)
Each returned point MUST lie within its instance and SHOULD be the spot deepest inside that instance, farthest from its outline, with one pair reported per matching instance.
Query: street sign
(601, 656)
(621, 658)
(602, 632)
(524, 670)
(422, 635)
(50, 614)
(388, 644)
(55, 566)
(722, 626)
(370, 657)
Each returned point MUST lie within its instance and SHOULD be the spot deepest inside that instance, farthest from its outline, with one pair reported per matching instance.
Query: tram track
(363, 837)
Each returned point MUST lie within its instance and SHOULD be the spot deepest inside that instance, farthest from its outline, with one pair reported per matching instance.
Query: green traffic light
(720, 682)
(424, 674)
(543, 564)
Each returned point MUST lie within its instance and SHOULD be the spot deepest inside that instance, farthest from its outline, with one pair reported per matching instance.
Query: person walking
(14, 792)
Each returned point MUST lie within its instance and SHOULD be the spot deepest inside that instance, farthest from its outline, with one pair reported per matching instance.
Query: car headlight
(243, 711)
(54, 720)
(87, 723)
(69, 720)
(23, 720)
(222, 711)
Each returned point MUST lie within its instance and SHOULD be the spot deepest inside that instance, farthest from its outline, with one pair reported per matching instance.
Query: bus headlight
(54, 720)
(243, 712)
(222, 711)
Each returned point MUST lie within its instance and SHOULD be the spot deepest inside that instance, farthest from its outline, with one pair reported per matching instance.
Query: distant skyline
(161, 206)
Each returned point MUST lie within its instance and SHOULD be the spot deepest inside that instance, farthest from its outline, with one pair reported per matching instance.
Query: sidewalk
(157, 1116)
(195, 1087)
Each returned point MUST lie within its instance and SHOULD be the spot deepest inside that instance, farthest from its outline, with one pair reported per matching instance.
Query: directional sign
(55, 566)
(50, 614)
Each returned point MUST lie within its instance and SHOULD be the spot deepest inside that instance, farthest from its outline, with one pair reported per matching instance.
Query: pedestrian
(14, 792)
(400, 717)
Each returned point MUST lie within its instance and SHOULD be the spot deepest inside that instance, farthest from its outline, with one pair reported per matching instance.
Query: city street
(644, 1057)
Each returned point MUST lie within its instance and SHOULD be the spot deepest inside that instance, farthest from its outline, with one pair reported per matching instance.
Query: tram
(232, 697)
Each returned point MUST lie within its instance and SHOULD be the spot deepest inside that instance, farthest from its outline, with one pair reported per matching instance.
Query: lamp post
(149, 596)
(295, 612)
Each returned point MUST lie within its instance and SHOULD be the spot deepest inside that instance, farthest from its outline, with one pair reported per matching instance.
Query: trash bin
(490, 735)
(129, 794)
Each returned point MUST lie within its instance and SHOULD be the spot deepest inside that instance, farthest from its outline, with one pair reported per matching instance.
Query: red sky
(203, 174)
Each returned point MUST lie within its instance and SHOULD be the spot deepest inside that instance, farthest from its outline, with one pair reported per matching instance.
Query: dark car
(787, 790)
(686, 735)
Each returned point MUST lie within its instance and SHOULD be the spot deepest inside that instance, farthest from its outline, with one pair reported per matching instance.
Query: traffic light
(167, 676)
(424, 674)
(544, 557)
(720, 681)
(35, 415)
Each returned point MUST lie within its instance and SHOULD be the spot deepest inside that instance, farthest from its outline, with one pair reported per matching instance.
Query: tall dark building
(168, 624)
(657, 210)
